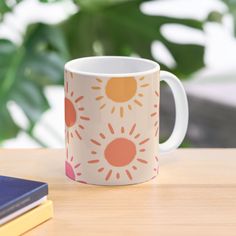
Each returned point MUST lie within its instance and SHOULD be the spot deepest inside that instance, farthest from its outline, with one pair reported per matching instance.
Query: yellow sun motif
(123, 92)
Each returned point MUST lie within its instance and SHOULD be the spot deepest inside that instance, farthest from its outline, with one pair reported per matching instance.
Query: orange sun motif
(122, 92)
(72, 169)
(74, 116)
(154, 114)
(122, 155)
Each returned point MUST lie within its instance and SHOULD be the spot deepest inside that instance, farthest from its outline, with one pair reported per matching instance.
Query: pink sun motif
(72, 169)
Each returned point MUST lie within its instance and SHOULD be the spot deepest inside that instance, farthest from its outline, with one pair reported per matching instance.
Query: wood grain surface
(194, 194)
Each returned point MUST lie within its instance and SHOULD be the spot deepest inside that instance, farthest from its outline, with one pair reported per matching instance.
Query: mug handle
(181, 112)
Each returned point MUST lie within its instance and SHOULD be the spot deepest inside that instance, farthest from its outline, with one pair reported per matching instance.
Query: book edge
(29, 220)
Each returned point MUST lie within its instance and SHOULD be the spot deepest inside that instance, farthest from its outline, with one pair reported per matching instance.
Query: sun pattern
(117, 154)
(123, 93)
(122, 154)
(74, 112)
(72, 168)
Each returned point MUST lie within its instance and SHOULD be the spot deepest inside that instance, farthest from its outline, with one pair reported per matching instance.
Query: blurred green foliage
(232, 10)
(101, 27)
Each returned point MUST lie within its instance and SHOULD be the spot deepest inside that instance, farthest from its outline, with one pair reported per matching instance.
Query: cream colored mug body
(112, 119)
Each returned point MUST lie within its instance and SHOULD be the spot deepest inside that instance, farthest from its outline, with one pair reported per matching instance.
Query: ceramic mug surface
(112, 119)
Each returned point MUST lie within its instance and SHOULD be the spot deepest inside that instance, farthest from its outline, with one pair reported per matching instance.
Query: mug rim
(155, 65)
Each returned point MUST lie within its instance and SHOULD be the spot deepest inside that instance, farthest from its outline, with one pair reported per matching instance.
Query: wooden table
(194, 194)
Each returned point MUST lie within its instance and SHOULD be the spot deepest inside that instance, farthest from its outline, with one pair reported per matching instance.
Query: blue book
(16, 194)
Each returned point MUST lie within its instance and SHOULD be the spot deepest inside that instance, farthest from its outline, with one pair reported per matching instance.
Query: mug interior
(112, 66)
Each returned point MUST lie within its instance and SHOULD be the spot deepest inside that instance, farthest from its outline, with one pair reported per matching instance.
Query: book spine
(29, 220)
(25, 200)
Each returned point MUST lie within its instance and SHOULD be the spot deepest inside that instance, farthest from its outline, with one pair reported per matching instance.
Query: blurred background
(195, 39)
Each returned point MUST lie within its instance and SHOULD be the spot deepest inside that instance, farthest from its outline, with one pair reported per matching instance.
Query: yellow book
(28, 220)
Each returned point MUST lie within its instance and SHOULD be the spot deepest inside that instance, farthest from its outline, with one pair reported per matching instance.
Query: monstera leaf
(101, 27)
(24, 72)
(120, 28)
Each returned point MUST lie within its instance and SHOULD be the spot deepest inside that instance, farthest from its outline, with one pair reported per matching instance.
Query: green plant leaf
(8, 128)
(101, 27)
(7, 6)
(25, 70)
(122, 29)
(232, 10)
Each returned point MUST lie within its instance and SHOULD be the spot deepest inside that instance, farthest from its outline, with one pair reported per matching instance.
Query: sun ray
(71, 135)
(140, 94)
(122, 129)
(72, 158)
(78, 99)
(99, 98)
(93, 161)
(156, 132)
(156, 158)
(130, 107)
(121, 112)
(99, 80)
(108, 175)
(153, 114)
(81, 108)
(144, 141)
(96, 87)
(93, 152)
(142, 161)
(102, 106)
(138, 102)
(136, 136)
(101, 169)
(128, 174)
(95, 142)
(134, 167)
(155, 105)
(132, 129)
(67, 153)
(142, 78)
(84, 118)
(81, 126)
(112, 110)
(72, 94)
(111, 128)
(77, 165)
(142, 150)
(156, 123)
(117, 175)
(78, 174)
(78, 135)
(102, 136)
(157, 94)
(144, 85)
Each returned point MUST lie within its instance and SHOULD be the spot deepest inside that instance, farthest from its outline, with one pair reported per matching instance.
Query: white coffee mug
(112, 119)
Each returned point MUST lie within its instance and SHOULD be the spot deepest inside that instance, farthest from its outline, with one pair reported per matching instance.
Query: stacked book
(23, 205)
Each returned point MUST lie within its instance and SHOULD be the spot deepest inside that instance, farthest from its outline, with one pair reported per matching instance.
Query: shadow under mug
(112, 119)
